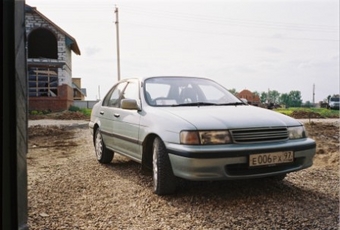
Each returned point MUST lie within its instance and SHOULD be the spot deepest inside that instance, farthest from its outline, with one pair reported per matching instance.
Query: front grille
(245, 136)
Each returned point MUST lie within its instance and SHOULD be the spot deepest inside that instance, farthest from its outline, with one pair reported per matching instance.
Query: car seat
(188, 95)
(148, 98)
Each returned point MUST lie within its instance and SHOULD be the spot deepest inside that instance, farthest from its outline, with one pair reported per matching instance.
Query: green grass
(323, 112)
(86, 112)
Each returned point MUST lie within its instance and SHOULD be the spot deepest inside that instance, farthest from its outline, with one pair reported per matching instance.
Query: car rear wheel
(103, 154)
(164, 181)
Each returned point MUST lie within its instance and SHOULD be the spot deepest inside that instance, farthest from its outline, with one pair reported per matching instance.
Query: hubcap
(99, 146)
(154, 168)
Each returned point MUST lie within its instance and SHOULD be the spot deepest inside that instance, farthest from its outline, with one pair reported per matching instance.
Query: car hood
(231, 117)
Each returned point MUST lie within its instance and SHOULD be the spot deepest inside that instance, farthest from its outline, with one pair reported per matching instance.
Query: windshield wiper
(195, 104)
(232, 103)
(207, 104)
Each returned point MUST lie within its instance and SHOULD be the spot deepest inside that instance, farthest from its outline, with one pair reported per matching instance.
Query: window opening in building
(43, 82)
(42, 43)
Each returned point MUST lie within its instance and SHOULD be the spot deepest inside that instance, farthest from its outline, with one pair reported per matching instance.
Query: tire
(103, 154)
(164, 181)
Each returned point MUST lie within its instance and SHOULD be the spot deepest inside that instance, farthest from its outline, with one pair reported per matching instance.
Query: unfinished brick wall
(35, 21)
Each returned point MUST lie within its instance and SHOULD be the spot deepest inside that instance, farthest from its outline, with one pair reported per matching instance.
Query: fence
(84, 104)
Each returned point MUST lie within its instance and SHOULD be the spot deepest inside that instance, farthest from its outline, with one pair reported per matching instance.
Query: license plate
(271, 158)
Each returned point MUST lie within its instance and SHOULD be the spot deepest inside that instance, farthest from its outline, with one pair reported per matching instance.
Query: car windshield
(335, 99)
(185, 91)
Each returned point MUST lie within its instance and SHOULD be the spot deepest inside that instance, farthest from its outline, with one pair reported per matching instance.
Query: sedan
(193, 128)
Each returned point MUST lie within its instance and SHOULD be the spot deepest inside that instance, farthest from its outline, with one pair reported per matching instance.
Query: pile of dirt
(305, 115)
(39, 131)
(65, 115)
(326, 136)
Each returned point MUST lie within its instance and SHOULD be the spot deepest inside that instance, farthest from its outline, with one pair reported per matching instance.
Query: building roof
(70, 41)
(81, 90)
(245, 91)
(251, 97)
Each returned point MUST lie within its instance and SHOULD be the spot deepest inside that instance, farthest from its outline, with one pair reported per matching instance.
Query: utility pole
(99, 92)
(313, 94)
(117, 38)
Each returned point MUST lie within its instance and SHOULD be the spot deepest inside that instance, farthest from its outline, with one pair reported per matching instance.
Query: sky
(258, 45)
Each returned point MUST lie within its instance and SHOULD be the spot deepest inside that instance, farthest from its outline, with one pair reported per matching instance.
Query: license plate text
(271, 158)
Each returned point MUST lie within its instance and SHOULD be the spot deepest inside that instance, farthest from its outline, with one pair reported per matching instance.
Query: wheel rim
(99, 145)
(154, 168)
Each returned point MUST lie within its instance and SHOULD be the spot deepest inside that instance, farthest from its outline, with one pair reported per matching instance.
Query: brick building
(49, 63)
(79, 93)
(252, 98)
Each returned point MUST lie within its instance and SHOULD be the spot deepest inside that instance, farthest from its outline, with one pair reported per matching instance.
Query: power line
(230, 34)
(102, 7)
(231, 21)
(224, 22)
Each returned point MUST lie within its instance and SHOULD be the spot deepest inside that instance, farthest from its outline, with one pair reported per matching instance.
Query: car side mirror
(130, 104)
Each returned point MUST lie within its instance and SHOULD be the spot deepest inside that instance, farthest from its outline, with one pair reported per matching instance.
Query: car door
(106, 113)
(126, 124)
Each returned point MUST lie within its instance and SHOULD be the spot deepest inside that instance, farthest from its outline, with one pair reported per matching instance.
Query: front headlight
(296, 132)
(205, 137)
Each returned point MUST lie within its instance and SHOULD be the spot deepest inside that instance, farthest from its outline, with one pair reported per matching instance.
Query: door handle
(116, 115)
(101, 112)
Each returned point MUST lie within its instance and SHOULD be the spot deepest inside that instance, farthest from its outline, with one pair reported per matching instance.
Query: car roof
(143, 78)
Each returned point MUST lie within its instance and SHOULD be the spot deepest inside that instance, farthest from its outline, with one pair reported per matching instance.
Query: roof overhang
(70, 41)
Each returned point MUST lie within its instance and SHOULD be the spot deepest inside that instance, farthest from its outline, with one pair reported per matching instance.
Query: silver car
(193, 128)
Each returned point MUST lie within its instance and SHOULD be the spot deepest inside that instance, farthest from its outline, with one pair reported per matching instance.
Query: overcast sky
(256, 45)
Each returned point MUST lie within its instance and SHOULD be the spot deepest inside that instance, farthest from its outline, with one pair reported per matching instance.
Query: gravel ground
(68, 189)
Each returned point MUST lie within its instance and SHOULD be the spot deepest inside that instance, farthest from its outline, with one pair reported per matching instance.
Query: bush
(44, 112)
(74, 108)
(86, 112)
(39, 112)
(35, 112)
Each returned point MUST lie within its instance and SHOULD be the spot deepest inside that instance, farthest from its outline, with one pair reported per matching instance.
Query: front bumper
(227, 163)
(334, 106)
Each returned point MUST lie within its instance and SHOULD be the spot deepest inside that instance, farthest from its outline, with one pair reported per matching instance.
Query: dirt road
(68, 189)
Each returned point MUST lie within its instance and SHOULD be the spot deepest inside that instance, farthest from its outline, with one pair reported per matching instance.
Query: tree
(328, 98)
(308, 104)
(255, 93)
(233, 91)
(285, 99)
(263, 97)
(295, 98)
(273, 96)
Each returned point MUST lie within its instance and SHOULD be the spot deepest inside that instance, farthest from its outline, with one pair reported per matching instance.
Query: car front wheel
(164, 181)
(103, 154)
